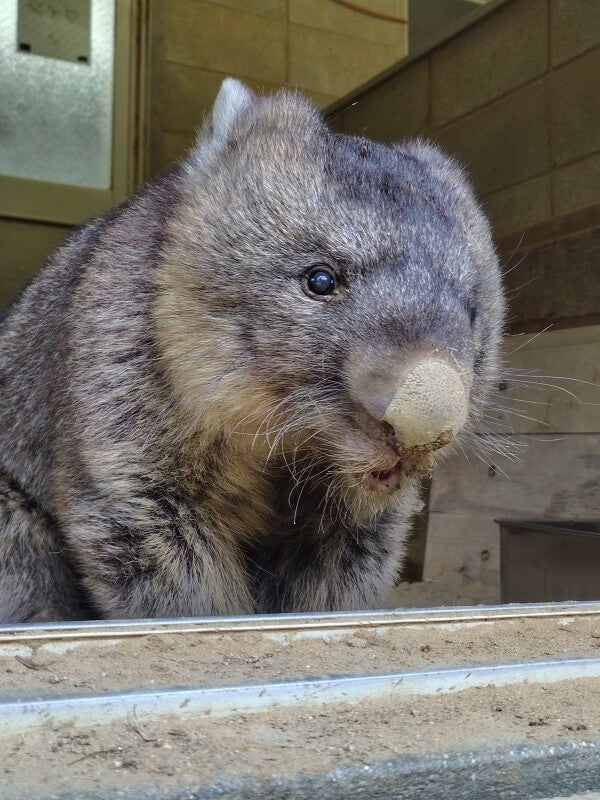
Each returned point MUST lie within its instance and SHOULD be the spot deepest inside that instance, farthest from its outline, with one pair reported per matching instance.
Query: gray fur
(177, 429)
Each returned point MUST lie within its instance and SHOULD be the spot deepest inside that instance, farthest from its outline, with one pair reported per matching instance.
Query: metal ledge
(97, 629)
(517, 770)
(19, 715)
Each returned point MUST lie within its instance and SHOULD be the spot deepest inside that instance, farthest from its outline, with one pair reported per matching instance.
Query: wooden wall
(554, 434)
(515, 98)
(23, 246)
(318, 46)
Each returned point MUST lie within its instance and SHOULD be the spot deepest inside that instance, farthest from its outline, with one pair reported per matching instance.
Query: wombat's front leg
(345, 570)
(153, 556)
(36, 582)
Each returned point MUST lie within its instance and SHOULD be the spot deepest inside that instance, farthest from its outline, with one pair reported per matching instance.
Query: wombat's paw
(45, 614)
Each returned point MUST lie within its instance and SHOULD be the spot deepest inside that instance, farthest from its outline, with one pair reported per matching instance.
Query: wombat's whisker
(324, 504)
(481, 456)
(281, 433)
(508, 399)
(504, 445)
(534, 374)
(327, 472)
(506, 451)
(297, 420)
(515, 292)
(258, 566)
(502, 409)
(515, 248)
(533, 378)
(517, 264)
(532, 339)
(537, 384)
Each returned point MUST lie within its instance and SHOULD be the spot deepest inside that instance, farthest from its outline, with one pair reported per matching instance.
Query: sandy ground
(312, 739)
(201, 749)
(452, 589)
(188, 659)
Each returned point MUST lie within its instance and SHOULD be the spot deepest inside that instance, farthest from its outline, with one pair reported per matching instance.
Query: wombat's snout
(429, 405)
(425, 402)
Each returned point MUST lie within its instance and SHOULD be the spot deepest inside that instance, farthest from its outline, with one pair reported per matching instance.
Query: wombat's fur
(178, 435)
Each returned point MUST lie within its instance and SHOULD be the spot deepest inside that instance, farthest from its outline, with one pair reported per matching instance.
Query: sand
(264, 744)
(451, 589)
(188, 659)
(200, 750)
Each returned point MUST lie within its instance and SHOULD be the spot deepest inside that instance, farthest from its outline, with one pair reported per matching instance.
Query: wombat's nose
(429, 406)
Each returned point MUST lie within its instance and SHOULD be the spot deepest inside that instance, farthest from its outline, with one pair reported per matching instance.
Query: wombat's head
(326, 296)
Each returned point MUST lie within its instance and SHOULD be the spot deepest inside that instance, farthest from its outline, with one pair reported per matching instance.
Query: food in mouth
(414, 461)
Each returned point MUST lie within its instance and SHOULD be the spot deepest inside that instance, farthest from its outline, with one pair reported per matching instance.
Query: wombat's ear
(233, 102)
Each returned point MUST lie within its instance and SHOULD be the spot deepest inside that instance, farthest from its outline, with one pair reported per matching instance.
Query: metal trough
(197, 719)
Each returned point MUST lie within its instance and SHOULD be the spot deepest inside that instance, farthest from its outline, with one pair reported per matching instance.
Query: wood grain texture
(228, 40)
(555, 281)
(464, 543)
(23, 247)
(564, 396)
(583, 219)
(557, 470)
(555, 478)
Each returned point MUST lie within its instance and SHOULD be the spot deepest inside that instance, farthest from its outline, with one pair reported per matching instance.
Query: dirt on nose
(442, 440)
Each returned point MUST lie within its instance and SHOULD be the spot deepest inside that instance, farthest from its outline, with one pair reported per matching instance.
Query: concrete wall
(516, 98)
(322, 48)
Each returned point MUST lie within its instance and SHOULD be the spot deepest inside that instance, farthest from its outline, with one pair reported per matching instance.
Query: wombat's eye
(472, 315)
(320, 282)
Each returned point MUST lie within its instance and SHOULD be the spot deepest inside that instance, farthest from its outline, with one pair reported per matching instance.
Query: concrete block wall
(318, 46)
(516, 98)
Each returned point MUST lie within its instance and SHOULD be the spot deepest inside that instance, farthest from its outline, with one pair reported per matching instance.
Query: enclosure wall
(515, 98)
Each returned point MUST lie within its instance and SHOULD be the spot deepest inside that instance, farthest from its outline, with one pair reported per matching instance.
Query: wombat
(221, 396)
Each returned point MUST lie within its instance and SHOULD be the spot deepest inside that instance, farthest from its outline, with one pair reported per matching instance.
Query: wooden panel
(576, 185)
(227, 40)
(507, 32)
(265, 8)
(176, 146)
(346, 22)
(565, 372)
(555, 478)
(23, 247)
(372, 113)
(189, 93)
(584, 219)
(55, 203)
(524, 203)
(505, 142)
(327, 62)
(556, 473)
(461, 543)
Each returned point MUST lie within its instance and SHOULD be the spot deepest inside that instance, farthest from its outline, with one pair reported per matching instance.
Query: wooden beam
(555, 282)
(563, 395)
